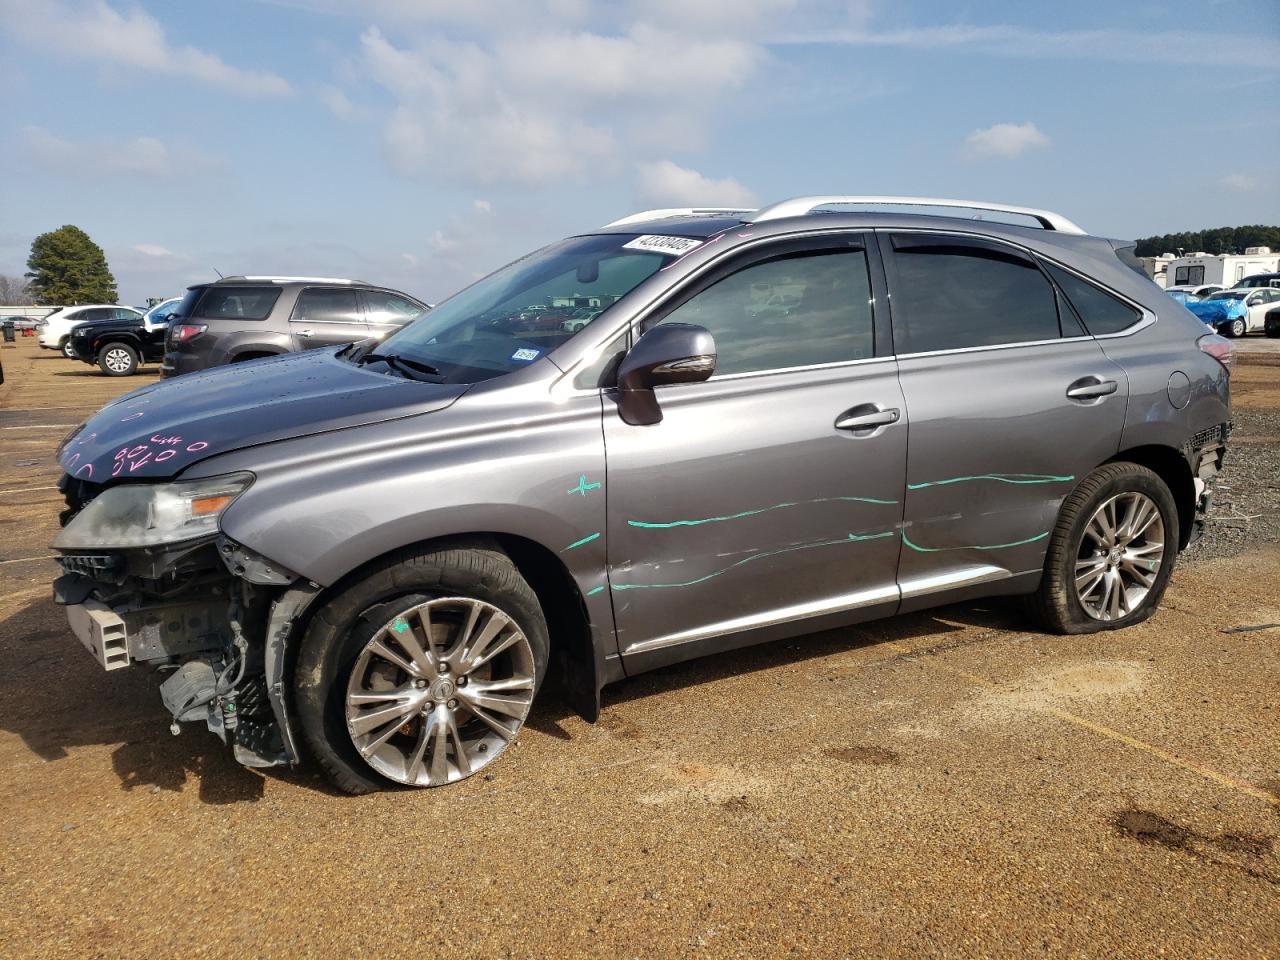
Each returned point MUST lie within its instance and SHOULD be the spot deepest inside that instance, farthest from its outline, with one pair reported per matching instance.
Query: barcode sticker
(653, 243)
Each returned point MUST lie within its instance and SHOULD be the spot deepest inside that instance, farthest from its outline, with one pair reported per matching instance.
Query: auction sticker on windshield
(657, 244)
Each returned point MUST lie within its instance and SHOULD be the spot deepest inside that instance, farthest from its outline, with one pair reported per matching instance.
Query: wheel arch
(252, 353)
(1171, 466)
(579, 660)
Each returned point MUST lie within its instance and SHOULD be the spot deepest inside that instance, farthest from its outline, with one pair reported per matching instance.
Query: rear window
(1100, 312)
(229, 303)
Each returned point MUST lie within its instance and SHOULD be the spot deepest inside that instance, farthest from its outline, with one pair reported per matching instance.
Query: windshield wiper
(397, 362)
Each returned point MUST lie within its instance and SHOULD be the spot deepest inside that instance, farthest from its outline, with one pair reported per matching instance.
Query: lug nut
(453, 704)
(462, 681)
(419, 684)
(443, 668)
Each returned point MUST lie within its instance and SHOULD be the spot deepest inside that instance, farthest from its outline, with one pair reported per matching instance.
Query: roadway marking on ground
(1222, 779)
(42, 426)
(28, 489)
(30, 559)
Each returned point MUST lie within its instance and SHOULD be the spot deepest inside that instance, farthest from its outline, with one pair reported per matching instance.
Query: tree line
(1215, 241)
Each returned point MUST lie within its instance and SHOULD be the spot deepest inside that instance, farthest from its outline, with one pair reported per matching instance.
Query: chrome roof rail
(799, 206)
(676, 212)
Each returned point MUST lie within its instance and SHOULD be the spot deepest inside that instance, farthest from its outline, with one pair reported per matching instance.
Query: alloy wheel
(117, 360)
(67, 351)
(1120, 556)
(440, 691)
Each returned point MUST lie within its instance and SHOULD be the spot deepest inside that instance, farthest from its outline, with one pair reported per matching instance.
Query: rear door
(386, 311)
(766, 501)
(1011, 404)
(325, 316)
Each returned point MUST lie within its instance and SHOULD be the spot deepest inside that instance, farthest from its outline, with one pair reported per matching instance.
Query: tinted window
(1101, 312)
(124, 313)
(326, 305)
(235, 303)
(947, 296)
(1188, 275)
(384, 307)
(789, 312)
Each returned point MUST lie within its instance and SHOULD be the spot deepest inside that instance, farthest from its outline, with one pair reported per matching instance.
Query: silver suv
(771, 422)
(244, 318)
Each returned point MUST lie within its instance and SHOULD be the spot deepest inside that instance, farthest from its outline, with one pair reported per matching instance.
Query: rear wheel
(423, 672)
(65, 347)
(1112, 552)
(118, 360)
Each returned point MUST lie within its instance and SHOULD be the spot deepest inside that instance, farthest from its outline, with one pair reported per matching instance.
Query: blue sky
(421, 143)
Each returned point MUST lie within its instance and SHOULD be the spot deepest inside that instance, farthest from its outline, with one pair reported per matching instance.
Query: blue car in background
(1183, 297)
(1235, 312)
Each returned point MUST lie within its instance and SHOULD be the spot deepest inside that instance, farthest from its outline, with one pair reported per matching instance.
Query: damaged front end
(148, 578)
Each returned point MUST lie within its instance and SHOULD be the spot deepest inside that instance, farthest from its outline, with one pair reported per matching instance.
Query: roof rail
(275, 279)
(799, 206)
(675, 212)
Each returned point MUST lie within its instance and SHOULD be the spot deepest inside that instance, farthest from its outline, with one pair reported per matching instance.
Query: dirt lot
(944, 784)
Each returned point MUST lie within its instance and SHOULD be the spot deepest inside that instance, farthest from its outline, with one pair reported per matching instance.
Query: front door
(767, 499)
(324, 316)
(1011, 405)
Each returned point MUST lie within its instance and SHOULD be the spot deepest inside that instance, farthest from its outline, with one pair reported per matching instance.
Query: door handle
(867, 416)
(304, 333)
(1091, 388)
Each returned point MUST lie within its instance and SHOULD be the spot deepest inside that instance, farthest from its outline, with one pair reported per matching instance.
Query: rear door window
(1101, 312)
(953, 293)
(326, 305)
(236, 303)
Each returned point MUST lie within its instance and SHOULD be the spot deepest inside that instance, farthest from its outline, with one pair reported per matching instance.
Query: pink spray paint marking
(87, 466)
(164, 455)
(196, 447)
(135, 464)
(165, 441)
(132, 416)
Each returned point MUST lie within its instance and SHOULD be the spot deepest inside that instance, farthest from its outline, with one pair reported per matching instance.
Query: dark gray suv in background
(244, 318)
(679, 434)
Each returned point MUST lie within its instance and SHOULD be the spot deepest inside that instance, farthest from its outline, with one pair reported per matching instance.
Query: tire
(1272, 327)
(336, 659)
(118, 360)
(1237, 328)
(1057, 604)
(65, 349)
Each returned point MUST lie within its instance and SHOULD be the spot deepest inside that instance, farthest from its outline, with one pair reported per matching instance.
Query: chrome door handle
(1091, 388)
(867, 417)
(305, 333)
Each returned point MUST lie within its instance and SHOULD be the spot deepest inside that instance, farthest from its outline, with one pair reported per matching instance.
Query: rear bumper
(176, 364)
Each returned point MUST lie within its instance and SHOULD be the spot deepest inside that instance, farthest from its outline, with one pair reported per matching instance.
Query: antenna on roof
(219, 273)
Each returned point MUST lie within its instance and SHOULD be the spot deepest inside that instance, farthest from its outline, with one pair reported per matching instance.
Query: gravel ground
(944, 784)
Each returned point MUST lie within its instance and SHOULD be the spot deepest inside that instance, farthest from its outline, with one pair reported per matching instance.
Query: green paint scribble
(584, 540)
(399, 626)
(593, 591)
(998, 477)
(986, 546)
(851, 538)
(752, 513)
(583, 486)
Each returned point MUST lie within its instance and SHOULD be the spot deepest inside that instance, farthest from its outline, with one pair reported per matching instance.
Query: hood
(164, 428)
(84, 326)
(1215, 311)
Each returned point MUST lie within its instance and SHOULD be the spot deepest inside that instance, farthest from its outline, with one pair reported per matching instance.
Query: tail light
(1220, 348)
(182, 332)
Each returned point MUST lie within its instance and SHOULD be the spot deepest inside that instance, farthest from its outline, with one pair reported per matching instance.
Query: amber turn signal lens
(207, 505)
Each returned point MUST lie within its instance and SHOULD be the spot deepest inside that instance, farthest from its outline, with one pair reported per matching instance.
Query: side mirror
(668, 353)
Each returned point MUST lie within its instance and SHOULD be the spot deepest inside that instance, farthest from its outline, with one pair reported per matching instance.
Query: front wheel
(118, 360)
(65, 347)
(1238, 328)
(1112, 552)
(422, 673)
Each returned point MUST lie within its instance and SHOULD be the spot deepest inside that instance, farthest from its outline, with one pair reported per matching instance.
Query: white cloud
(337, 102)
(141, 156)
(152, 250)
(94, 30)
(551, 103)
(1004, 140)
(1241, 182)
(663, 183)
(1006, 40)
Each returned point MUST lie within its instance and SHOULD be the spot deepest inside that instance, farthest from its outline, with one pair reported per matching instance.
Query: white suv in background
(56, 332)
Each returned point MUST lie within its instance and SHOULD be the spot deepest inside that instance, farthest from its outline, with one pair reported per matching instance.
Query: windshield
(532, 306)
(1227, 295)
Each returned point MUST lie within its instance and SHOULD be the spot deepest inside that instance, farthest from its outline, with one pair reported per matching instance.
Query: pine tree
(66, 267)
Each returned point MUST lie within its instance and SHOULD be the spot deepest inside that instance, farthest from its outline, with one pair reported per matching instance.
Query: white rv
(1225, 269)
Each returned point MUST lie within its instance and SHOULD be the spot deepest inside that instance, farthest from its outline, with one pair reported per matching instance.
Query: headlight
(147, 514)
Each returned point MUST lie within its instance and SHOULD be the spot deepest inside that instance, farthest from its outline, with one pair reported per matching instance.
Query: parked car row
(1252, 305)
(228, 321)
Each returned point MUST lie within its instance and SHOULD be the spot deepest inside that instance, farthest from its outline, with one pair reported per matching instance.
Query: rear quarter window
(236, 303)
(1100, 312)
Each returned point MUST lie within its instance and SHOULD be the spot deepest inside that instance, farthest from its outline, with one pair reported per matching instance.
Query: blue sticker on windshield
(525, 354)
